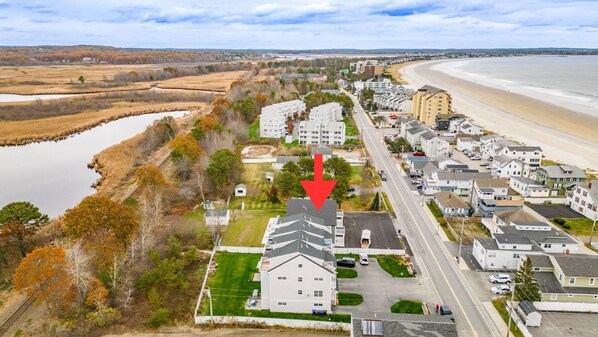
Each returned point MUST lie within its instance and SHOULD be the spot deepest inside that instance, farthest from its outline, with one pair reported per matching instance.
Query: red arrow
(318, 189)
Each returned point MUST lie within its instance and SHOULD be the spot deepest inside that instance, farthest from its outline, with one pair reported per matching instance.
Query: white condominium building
(273, 120)
(377, 86)
(329, 112)
(322, 133)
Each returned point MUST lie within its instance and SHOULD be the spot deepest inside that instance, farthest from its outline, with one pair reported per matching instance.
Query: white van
(363, 259)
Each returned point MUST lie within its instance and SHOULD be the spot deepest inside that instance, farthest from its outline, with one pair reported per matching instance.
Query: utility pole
(593, 226)
(461, 238)
(511, 309)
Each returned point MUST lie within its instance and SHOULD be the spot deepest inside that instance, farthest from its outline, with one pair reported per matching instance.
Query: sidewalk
(496, 318)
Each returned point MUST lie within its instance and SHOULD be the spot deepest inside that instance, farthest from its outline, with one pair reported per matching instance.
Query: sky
(289, 24)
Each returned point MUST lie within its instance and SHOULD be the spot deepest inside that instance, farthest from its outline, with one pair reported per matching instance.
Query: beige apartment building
(428, 102)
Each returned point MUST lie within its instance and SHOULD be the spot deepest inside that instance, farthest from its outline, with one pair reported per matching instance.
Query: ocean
(567, 81)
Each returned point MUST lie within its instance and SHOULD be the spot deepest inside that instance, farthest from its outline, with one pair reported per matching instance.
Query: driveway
(383, 232)
(560, 211)
(380, 290)
(473, 164)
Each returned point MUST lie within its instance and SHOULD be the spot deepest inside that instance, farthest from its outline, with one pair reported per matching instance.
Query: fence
(369, 251)
(517, 319)
(567, 306)
(290, 323)
(244, 250)
(540, 201)
(205, 279)
(258, 160)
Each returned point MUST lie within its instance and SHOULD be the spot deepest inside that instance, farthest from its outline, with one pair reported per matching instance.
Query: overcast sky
(288, 24)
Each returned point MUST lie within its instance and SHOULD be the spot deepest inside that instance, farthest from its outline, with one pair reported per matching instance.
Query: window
(299, 279)
(596, 297)
(553, 297)
(547, 245)
(514, 247)
(318, 279)
(300, 265)
(515, 256)
(536, 269)
(560, 278)
(282, 277)
(299, 292)
(318, 305)
(318, 293)
(572, 280)
(592, 281)
(569, 295)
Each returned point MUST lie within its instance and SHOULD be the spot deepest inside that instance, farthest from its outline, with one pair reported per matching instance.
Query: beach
(565, 135)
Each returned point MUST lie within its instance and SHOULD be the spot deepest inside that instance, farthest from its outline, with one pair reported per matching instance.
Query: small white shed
(240, 190)
(269, 177)
(529, 314)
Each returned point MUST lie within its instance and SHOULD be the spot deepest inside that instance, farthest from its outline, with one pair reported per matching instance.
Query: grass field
(257, 188)
(247, 228)
(472, 228)
(499, 304)
(346, 273)
(392, 264)
(407, 307)
(349, 299)
(441, 220)
(577, 227)
(254, 130)
(232, 285)
(350, 127)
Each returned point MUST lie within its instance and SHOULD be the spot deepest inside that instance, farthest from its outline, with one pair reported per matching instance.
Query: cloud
(178, 14)
(41, 7)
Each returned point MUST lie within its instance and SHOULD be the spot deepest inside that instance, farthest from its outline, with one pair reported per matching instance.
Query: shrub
(566, 226)
(158, 318)
(559, 221)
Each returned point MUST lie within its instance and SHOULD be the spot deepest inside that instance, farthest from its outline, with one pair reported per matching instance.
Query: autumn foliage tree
(185, 152)
(104, 226)
(43, 274)
(20, 219)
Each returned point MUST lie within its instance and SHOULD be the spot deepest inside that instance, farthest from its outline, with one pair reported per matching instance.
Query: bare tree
(78, 266)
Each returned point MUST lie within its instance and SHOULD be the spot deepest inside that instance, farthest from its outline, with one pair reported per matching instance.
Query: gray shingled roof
(431, 89)
(578, 265)
(556, 171)
(522, 148)
(540, 237)
(528, 181)
(541, 261)
(519, 215)
(492, 182)
(527, 307)
(549, 284)
(488, 243)
(502, 160)
(327, 212)
(512, 239)
(592, 187)
(406, 325)
(448, 199)
(463, 176)
(428, 135)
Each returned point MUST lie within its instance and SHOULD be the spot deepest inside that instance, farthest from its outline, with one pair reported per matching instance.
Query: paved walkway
(380, 290)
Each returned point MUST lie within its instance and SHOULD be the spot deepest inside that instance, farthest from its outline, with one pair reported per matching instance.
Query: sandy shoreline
(564, 135)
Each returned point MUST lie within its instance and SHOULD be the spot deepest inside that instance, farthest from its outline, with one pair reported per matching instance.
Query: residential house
(430, 101)
(567, 282)
(423, 168)
(446, 163)
(504, 166)
(460, 183)
(274, 118)
(491, 195)
(584, 199)
(298, 269)
(469, 128)
(508, 218)
(491, 144)
(531, 155)
(217, 217)
(504, 250)
(407, 123)
(240, 190)
(471, 143)
(443, 121)
(281, 161)
(560, 178)
(414, 134)
(325, 151)
(451, 204)
(332, 217)
(364, 324)
(528, 188)
(433, 145)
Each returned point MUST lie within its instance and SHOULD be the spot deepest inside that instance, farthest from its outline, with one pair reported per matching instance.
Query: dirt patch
(259, 151)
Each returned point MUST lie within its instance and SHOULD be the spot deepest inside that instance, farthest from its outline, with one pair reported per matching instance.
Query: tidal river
(54, 175)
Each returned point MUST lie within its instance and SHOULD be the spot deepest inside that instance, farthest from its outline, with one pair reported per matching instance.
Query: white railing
(567, 306)
(243, 250)
(369, 251)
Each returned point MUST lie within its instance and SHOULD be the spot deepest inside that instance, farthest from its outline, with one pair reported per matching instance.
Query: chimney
(590, 186)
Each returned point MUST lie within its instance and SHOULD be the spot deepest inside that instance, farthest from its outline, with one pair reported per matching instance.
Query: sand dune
(564, 135)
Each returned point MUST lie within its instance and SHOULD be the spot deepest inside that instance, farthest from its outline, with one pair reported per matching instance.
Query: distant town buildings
(430, 101)
(274, 118)
(380, 86)
(396, 99)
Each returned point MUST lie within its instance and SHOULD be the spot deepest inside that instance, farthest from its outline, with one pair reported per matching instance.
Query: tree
(19, 220)
(185, 145)
(273, 195)
(399, 145)
(42, 273)
(224, 170)
(261, 99)
(338, 167)
(376, 204)
(526, 286)
(290, 125)
(208, 122)
(288, 180)
(105, 226)
(150, 176)
(378, 120)
(82, 79)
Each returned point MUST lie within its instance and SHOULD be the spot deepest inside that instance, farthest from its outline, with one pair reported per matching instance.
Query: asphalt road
(436, 263)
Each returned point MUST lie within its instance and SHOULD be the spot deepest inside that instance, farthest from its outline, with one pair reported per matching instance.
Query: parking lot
(473, 164)
(558, 324)
(384, 235)
(560, 211)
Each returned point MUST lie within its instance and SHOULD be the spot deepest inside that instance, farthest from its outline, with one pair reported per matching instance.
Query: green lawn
(350, 127)
(441, 220)
(254, 176)
(349, 299)
(346, 273)
(254, 130)
(407, 307)
(247, 228)
(577, 227)
(499, 304)
(232, 285)
(392, 264)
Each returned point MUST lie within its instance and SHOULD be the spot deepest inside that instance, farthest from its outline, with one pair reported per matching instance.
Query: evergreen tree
(376, 203)
(527, 287)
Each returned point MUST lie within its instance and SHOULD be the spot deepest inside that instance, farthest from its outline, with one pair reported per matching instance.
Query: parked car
(445, 310)
(486, 164)
(419, 154)
(476, 157)
(345, 262)
(416, 181)
(500, 290)
(363, 259)
(500, 278)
